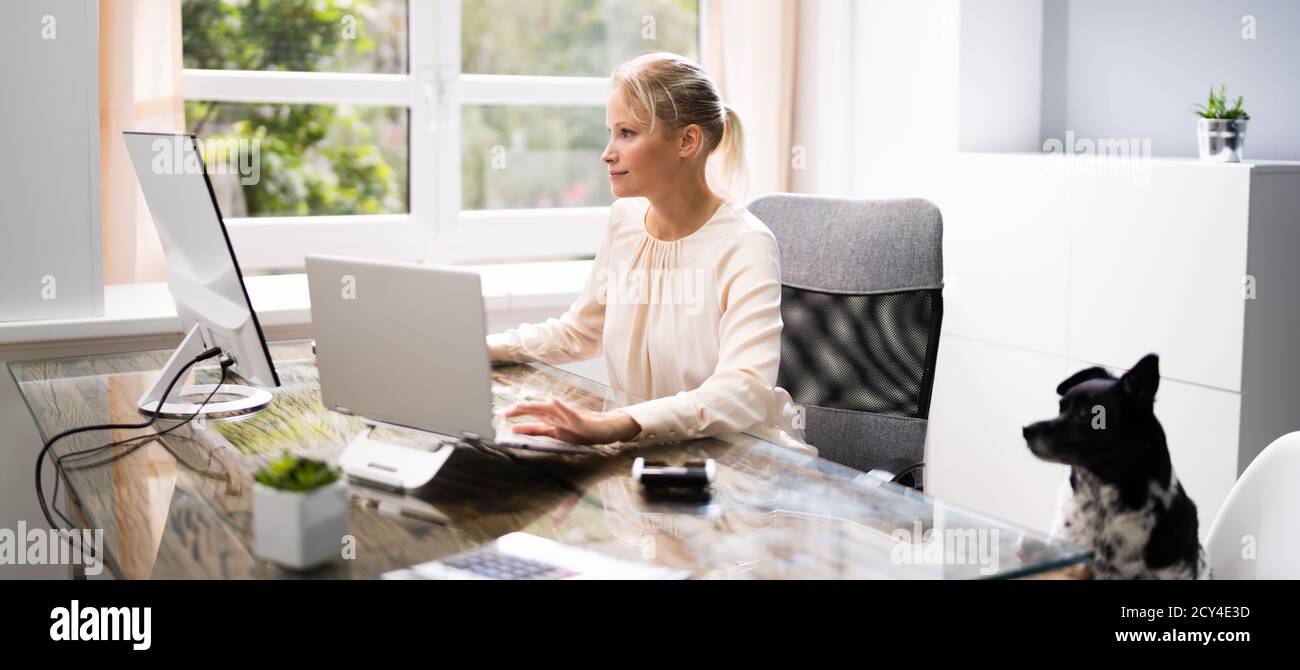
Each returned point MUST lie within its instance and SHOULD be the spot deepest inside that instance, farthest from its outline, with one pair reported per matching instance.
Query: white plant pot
(300, 530)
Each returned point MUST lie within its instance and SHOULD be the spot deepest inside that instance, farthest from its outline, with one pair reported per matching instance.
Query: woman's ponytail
(731, 154)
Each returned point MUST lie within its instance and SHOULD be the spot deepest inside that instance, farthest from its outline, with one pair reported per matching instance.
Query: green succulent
(291, 473)
(1217, 108)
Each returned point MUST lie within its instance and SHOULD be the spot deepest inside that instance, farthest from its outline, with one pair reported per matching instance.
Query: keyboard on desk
(521, 556)
(490, 563)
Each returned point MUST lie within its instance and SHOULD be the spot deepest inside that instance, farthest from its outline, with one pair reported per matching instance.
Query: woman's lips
(616, 175)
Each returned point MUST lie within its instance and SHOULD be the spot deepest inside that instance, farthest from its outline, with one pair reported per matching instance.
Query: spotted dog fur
(1129, 541)
(1122, 499)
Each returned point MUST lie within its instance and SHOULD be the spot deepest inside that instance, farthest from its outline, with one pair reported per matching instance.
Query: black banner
(178, 619)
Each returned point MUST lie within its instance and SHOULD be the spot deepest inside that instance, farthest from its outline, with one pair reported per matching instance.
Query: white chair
(1254, 537)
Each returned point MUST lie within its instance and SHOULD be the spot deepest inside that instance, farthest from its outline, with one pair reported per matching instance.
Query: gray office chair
(862, 302)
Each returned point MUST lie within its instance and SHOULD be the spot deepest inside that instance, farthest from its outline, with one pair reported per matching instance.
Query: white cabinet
(1159, 266)
(1052, 266)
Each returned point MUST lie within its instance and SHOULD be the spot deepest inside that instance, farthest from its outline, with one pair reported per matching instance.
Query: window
(458, 130)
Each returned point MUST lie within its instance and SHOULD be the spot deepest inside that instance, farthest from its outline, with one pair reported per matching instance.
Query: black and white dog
(1123, 500)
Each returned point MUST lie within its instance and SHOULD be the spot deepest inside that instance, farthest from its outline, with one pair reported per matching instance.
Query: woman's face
(638, 161)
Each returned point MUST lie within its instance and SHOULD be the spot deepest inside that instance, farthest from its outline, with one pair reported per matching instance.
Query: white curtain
(785, 65)
(139, 89)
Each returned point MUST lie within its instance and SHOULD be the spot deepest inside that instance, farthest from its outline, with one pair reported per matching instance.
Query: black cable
(141, 440)
(40, 458)
(210, 474)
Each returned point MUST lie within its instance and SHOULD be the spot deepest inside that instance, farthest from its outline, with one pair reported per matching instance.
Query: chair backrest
(1253, 536)
(862, 304)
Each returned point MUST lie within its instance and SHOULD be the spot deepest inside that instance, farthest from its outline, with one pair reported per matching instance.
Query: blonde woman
(684, 296)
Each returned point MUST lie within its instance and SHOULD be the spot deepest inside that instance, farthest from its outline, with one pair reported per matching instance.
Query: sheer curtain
(786, 66)
(139, 89)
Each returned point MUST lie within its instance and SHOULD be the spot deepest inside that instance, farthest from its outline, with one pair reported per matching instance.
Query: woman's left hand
(574, 425)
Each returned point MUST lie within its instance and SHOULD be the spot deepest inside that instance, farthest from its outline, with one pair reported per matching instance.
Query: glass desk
(179, 506)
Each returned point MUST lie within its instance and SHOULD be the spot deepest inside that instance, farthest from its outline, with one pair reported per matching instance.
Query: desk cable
(226, 363)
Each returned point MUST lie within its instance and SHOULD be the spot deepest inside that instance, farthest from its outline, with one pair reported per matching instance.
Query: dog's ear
(1143, 380)
(1082, 376)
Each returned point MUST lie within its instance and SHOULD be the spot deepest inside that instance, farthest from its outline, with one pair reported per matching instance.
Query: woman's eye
(627, 133)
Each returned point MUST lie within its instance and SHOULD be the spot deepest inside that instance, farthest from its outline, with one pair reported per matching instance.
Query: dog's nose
(1028, 431)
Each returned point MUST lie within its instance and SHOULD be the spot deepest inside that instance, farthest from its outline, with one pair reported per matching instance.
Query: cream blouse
(693, 324)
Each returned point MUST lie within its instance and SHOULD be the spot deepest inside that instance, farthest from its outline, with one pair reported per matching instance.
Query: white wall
(1134, 69)
(1001, 74)
(905, 79)
(934, 77)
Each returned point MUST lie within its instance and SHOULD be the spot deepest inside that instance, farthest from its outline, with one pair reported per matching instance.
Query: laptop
(404, 344)
(520, 556)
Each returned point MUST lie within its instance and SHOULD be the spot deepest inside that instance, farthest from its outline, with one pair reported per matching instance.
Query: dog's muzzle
(1034, 433)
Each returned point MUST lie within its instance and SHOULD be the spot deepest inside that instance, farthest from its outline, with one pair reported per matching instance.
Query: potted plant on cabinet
(1221, 130)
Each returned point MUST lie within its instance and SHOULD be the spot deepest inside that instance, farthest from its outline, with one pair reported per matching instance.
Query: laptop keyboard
(491, 563)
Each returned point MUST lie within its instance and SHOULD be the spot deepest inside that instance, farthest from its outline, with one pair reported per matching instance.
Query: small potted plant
(300, 512)
(1221, 130)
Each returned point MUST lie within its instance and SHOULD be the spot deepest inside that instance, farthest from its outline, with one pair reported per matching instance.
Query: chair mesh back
(863, 353)
(862, 305)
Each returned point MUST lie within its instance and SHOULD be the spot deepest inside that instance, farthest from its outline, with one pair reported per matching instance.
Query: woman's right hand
(574, 425)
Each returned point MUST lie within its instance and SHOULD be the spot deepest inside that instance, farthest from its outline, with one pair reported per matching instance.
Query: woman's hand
(574, 425)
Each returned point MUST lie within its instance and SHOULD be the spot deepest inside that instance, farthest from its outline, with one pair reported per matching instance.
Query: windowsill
(134, 310)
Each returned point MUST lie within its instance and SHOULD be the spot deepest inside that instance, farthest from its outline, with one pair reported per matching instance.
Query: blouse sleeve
(573, 336)
(737, 395)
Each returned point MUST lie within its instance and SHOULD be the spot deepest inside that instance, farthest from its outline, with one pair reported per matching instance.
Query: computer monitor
(203, 276)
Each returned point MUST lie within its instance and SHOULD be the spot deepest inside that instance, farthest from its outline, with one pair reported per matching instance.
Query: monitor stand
(248, 400)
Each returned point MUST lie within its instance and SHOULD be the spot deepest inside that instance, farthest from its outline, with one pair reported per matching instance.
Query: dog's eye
(1083, 415)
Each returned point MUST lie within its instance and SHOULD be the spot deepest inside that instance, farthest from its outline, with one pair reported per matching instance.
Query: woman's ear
(692, 141)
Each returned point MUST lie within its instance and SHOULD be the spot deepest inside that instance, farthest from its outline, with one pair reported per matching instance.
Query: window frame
(433, 91)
